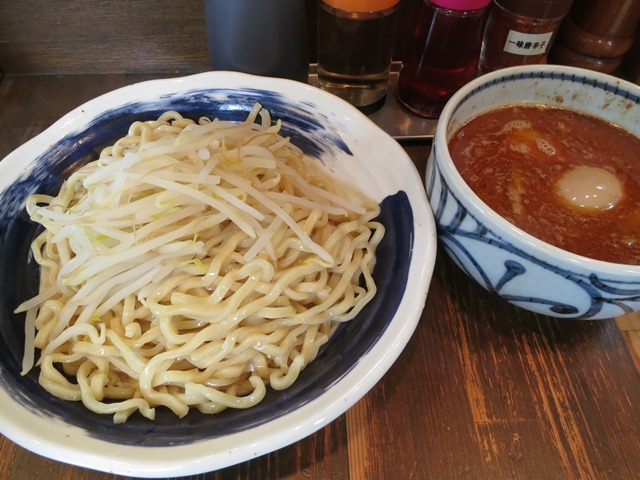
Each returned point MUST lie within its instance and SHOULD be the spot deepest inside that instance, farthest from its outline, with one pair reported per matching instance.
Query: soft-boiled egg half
(589, 188)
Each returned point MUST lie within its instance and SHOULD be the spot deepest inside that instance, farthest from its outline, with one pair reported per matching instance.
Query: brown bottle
(596, 34)
(631, 65)
(521, 32)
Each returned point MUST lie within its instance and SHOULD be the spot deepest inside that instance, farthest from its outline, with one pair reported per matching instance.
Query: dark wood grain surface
(112, 36)
(482, 391)
(78, 36)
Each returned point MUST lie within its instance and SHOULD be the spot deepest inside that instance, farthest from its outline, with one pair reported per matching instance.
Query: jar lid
(537, 8)
(361, 5)
(461, 4)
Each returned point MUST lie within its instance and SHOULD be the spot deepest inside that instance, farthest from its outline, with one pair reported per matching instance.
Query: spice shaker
(521, 32)
(597, 34)
(630, 66)
(443, 54)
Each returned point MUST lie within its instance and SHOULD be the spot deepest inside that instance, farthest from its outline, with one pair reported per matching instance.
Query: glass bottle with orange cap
(355, 48)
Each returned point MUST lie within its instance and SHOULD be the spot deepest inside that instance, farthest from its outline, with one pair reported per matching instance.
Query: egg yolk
(589, 188)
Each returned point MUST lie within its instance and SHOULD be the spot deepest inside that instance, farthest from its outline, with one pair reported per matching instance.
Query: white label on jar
(527, 44)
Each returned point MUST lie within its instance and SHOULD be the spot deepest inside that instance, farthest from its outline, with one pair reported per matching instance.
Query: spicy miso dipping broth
(565, 177)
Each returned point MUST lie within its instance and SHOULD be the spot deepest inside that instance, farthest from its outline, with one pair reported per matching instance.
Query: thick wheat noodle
(191, 265)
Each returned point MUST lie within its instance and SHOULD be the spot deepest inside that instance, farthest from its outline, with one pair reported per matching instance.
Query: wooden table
(483, 390)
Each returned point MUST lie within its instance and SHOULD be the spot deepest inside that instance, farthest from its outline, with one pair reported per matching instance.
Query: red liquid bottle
(444, 54)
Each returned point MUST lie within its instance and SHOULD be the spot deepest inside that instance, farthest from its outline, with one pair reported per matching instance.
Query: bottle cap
(537, 8)
(461, 5)
(361, 6)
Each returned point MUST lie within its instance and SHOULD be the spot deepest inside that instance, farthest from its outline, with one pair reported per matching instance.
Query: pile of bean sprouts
(193, 264)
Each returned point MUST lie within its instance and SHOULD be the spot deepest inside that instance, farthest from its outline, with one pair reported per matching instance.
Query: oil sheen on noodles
(191, 265)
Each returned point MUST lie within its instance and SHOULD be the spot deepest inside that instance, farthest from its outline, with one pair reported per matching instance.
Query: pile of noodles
(192, 265)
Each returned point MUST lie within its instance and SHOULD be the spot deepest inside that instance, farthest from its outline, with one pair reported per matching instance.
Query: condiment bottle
(443, 54)
(631, 64)
(355, 41)
(596, 34)
(520, 32)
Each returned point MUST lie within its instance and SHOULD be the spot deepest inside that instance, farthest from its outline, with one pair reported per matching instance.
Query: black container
(262, 37)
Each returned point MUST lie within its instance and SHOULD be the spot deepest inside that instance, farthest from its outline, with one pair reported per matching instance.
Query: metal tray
(394, 119)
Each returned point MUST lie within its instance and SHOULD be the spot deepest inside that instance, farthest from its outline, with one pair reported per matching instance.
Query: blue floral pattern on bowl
(503, 259)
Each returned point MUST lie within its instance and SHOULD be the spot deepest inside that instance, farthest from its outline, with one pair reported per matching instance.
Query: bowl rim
(198, 457)
(447, 166)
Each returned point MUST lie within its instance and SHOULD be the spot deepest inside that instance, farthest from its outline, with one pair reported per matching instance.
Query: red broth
(518, 159)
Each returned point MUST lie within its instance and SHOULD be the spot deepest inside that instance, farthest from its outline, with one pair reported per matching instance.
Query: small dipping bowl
(501, 257)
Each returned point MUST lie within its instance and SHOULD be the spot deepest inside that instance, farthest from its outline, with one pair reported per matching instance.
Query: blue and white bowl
(502, 258)
(327, 129)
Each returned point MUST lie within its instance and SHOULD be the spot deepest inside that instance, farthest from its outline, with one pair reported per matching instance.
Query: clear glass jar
(443, 55)
(355, 48)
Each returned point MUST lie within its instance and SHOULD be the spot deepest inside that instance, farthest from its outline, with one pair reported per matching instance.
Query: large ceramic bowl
(328, 130)
(501, 257)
